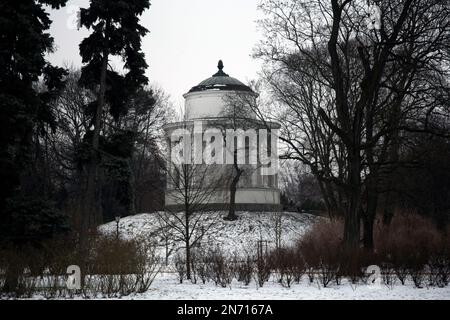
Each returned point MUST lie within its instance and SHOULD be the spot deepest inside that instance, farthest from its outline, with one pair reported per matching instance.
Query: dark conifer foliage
(25, 112)
(115, 32)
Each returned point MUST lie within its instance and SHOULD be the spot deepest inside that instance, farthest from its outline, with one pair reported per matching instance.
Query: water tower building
(208, 105)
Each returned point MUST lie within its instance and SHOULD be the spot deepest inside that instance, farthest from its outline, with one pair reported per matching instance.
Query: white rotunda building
(218, 111)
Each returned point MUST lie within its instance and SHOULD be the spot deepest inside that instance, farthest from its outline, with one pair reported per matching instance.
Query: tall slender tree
(116, 31)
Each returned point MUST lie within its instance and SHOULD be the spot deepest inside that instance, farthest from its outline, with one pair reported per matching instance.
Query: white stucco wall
(206, 104)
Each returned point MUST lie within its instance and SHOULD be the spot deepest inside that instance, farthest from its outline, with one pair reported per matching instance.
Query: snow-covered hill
(232, 236)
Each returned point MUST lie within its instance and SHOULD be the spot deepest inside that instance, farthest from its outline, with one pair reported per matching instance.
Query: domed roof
(221, 81)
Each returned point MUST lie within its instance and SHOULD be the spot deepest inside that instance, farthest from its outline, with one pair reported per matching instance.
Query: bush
(320, 248)
(299, 267)
(148, 265)
(288, 265)
(18, 280)
(411, 246)
(439, 262)
(199, 265)
(110, 267)
(245, 269)
(180, 266)
(220, 268)
(407, 246)
(439, 269)
(262, 268)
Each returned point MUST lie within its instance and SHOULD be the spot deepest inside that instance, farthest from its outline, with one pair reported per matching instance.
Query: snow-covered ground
(231, 236)
(241, 236)
(167, 286)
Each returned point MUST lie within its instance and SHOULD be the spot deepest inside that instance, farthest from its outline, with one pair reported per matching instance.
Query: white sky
(186, 40)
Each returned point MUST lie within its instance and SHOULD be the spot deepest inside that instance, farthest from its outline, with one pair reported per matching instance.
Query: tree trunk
(187, 212)
(188, 246)
(368, 233)
(233, 188)
(388, 212)
(91, 213)
(352, 225)
(188, 262)
(232, 209)
(92, 201)
(371, 212)
(368, 222)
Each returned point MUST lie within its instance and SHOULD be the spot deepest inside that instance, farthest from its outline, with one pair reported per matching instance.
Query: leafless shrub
(277, 221)
(245, 269)
(299, 267)
(58, 256)
(407, 245)
(26, 285)
(147, 265)
(401, 271)
(439, 270)
(221, 268)
(312, 261)
(20, 272)
(328, 272)
(180, 266)
(262, 269)
(418, 276)
(202, 271)
(200, 266)
(411, 246)
(288, 265)
(320, 249)
(111, 267)
(193, 263)
(311, 273)
(439, 262)
(388, 274)
(123, 266)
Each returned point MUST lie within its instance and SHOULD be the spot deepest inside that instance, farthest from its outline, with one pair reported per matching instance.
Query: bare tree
(304, 134)
(237, 118)
(151, 110)
(72, 123)
(376, 78)
(243, 145)
(64, 150)
(191, 188)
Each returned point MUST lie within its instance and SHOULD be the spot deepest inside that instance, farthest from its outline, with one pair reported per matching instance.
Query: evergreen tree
(115, 32)
(25, 112)
(25, 217)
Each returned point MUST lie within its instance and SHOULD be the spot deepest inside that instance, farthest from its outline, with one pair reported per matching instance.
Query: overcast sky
(186, 40)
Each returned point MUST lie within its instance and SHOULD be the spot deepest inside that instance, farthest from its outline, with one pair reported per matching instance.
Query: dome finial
(220, 73)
